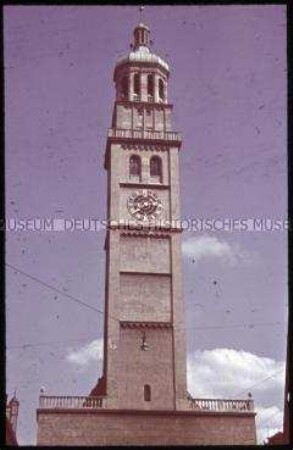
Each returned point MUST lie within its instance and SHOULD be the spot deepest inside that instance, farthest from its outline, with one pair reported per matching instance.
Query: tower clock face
(144, 204)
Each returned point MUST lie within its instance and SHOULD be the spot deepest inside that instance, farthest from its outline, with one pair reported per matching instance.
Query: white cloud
(227, 373)
(87, 354)
(210, 247)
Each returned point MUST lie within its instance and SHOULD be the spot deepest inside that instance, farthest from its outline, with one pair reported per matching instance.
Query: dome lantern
(141, 35)
(140, 51)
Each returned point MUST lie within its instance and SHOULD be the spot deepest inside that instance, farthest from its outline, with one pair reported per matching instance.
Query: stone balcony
(194, 404)
(116, 133)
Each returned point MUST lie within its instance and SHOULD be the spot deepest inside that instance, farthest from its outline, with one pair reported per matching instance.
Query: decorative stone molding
(144, 325)
(144, 147)
(149, 104)
(141, 185)
(145, 233)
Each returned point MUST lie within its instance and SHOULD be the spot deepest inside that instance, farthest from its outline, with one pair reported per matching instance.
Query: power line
(40, 344)
(270, 417)
(77, 300)
(260, 382)
(245, 325)
(47, 285)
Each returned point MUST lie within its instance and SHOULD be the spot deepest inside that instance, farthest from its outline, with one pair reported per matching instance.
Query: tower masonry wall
(145, 254)
(145, 297)
(152, 367)
(122, 167)
(144, 428)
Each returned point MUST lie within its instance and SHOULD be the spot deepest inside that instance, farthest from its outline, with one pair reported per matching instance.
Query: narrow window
(136, 84)
(124, 87)
(161, 89)
(134, 165)
(150, 87)
(138, 120)
(147, 393)
(156, 167)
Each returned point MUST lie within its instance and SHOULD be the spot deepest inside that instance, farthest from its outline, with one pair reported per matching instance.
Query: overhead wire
(82, 303)
(65, 294)
(245, 325)
(40, 344)
(260, 382)
(266, 419)
(93, 308)
(87, 305)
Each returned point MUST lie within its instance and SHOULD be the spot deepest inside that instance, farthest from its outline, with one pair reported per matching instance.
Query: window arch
(124, 87)
(161, 89)
(156, 167)
(136, 84)
(147, 393)
(150, 85)
(134, 166)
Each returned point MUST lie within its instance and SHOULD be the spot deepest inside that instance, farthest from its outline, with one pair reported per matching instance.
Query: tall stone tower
(142, 398)
(145, 356)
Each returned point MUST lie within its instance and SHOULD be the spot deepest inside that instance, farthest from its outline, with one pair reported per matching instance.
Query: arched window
(150, 85)
(134, 166)
(147, 393)
(156, 167)
(161, 89)
(124, 87)
(136, 84)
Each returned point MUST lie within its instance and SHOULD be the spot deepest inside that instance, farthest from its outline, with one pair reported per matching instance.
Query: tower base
(136, 427)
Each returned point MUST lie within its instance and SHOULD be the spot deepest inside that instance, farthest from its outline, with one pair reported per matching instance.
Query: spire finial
(141, 9)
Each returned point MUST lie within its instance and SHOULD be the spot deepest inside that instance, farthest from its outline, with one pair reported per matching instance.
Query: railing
(194, 404)
(144, 134)
(219, 405)
(65, 402)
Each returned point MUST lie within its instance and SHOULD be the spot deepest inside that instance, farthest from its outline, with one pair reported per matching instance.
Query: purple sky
(228, 87)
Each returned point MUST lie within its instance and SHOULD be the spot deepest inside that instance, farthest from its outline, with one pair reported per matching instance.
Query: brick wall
(144, 428)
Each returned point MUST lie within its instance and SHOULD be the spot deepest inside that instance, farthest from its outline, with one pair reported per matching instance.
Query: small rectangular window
(147, 393)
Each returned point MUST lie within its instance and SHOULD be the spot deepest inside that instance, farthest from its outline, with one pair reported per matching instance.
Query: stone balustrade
(69, 402)
(220, 405)
(144, 134)
(194, 404)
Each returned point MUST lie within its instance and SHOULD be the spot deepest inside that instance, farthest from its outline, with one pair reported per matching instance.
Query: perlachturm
(141, 397)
